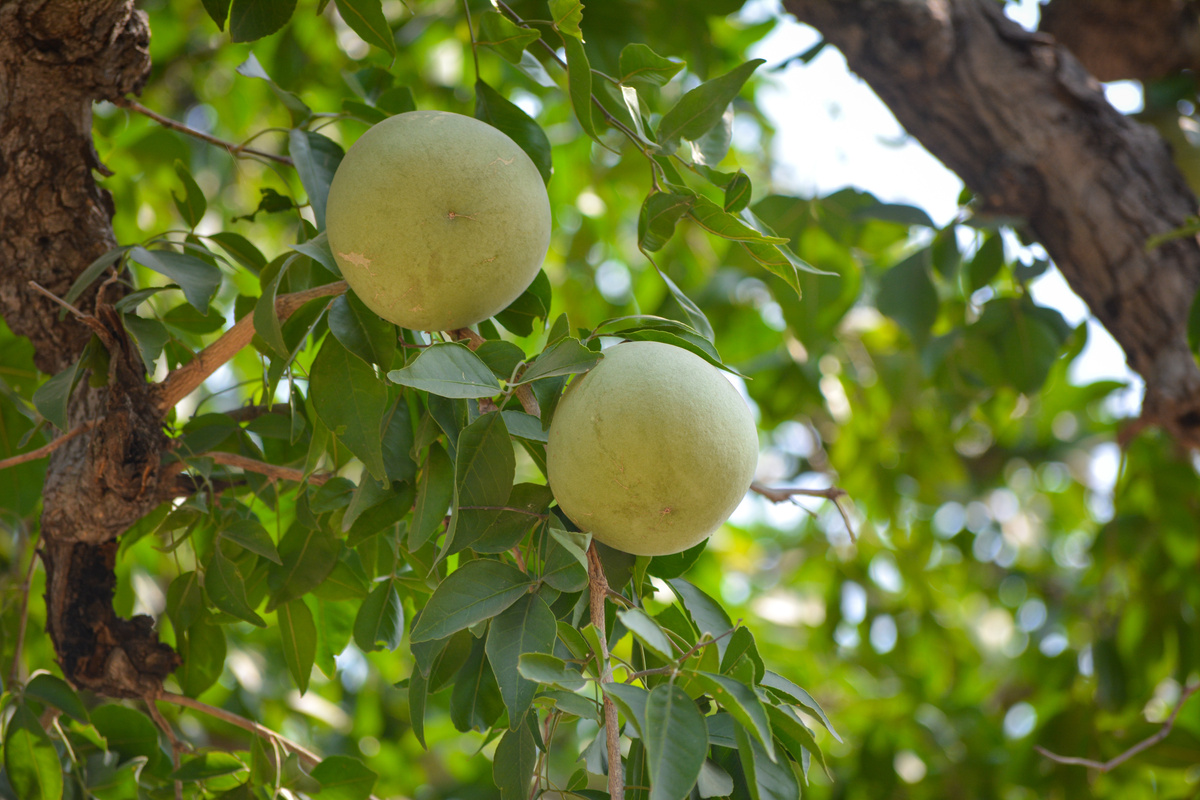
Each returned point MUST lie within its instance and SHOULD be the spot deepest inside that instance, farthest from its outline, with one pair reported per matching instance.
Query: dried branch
(1144, 744)
(598, 587)
(180, 383)
(270, 470)
(47, 449)
(786, 493)
(236, 150)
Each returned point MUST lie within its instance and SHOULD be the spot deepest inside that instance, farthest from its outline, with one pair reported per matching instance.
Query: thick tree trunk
(56, 58)
(1141, 40)
(1029, 131)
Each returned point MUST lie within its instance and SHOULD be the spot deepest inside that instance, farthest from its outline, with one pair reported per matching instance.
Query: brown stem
(523, 393)
(263, 468)
(785, 493)
(180, 383)
(235, 150)
(15, 672)
(307, 756)
(1144, 744)
(47, 449)
(598, 588)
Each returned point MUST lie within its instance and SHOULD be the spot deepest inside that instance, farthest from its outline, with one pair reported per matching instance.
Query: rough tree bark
(1141, 40)
(1025, 126)
(56, 58)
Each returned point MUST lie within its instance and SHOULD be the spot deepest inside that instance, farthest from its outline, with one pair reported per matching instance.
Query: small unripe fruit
(437, 220)
(651, 450)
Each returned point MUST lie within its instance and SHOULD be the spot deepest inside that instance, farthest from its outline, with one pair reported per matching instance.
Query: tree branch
(262, 468)
(1141, 40)
(785, 493)
(1144, 744)
(1030, 132)
(236, 150)
(47, 449)
(180, 383)
(598, 589)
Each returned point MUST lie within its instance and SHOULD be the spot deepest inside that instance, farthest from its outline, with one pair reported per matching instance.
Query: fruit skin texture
(437, 220)
(651, 450)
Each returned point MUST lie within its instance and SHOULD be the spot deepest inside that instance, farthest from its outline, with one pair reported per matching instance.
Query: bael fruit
(437, 220)
(651, 450)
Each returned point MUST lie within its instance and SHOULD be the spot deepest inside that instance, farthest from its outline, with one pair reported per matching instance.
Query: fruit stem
(598, 589)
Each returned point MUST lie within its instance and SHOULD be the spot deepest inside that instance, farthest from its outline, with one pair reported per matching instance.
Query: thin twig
(785, 493)
(235, 150)
(598, 587)
(176, 746)
(47, 449)
(670, 668)
(1144, 744)
(15, 671)
(180, 383)
(37, 287)
(262, 468)
(306, 755)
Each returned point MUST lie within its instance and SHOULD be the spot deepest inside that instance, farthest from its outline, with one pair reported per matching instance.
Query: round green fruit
(437, 220)
(651, 450)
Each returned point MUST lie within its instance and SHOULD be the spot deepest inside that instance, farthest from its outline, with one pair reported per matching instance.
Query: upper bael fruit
(651, 450)
(437, 220)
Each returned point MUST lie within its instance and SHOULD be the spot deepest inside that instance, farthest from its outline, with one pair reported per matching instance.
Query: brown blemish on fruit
(357, 259)
(456, 215)
(505, 161)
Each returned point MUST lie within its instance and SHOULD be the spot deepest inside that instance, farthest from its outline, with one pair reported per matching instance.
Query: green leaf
(192, 205)
(630, 701)
(351, 401)
(361, 331)
(525, 426)
(380, 619)
(741, 702)
(550, 670)
(418, 687)
(242, 251)
(660, 213)
(365, 17)
(514, 762)
(1193, 330)
(508, 38)
(579, 84)
(476, 591)
(895, 212)
(712, 218)
(647, 631)
(254, 19)
(344, 778)
(527, 626)
(706, 614)
(251, 535)
(782, 686)
(226, 588)
(737, 193)
(695, 316)
(94, 271)
(986, 263)
(30, 759)
(435, 492)
(766, 779)
(58, 693)
(53, 397)
(641, 66)
(218, 10)
(317, 248)
(794, 735)
(567, 15)
(496, 110)
(486, 465)
(701, 109)
(475, 702)
(564, 357)
(317, 158)
(129, 733)
(676, 739)
(203, 650)
(266, 316)
(714, 781)
(208, 765)
(907, 295)
(299, 112)
(299, 634)
(308, 558)
(198, 279)
(499, 530)
(448, 369)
